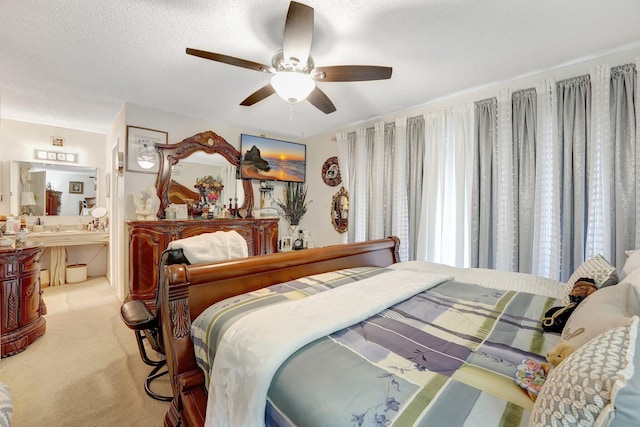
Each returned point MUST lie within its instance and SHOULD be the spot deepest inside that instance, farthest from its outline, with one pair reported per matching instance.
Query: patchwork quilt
(445, 356)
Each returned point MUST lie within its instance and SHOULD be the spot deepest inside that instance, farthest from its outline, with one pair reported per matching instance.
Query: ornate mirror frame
(209, 142)
(340, 215)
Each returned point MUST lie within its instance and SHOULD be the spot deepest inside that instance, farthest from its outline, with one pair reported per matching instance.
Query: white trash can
(44, 278)
(76, 273)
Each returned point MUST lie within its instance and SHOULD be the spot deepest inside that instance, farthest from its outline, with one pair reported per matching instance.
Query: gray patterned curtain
(372, 186)
(574, 115)
(574, 193)
(389, 184)
(353, 202)
(483, 199)
(524, 104)
(623, 138)
(415, 156)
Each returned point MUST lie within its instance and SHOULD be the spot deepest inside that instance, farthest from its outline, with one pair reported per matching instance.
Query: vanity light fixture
(56, 155)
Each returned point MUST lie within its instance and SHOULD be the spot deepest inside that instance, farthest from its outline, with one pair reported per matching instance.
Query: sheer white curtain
(228, 176)
(546, 239)
(430, 231)
(637, 153)
(445, 221)
(600, 227)
(346, 161)
(376, 159)
(400, 168)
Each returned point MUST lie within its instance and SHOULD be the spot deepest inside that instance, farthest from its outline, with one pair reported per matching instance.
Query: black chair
(146, 325)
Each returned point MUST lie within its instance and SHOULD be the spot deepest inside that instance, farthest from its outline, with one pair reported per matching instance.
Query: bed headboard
(187, 290)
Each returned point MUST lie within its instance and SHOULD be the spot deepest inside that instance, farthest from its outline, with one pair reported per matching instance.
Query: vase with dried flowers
(294, 205)
(210, 190)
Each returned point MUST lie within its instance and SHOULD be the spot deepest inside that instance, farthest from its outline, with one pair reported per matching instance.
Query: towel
(210, 247)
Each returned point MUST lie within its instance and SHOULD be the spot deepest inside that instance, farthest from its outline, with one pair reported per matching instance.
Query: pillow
(584, 391)
(632, 263)
(600, 311)
(632, 278)
(596, 268)
(6, 405)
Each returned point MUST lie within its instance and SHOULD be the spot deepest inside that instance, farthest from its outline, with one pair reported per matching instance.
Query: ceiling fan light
(292, 86)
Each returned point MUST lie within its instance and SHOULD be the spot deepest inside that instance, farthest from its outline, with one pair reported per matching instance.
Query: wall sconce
(120, 163)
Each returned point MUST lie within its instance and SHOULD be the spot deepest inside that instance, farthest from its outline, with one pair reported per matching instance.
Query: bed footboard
(187, 290)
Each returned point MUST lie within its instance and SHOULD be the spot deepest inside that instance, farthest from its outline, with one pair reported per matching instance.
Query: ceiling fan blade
(298, 32)
(229, 60)
(352, 73)
(321, 101)
(259, 95)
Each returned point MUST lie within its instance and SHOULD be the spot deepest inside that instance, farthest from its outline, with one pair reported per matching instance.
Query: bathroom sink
(50, 232)
(69, 237)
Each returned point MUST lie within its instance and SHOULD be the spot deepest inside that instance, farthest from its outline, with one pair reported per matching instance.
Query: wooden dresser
(22, 308)
(53, 202)
(148, 239)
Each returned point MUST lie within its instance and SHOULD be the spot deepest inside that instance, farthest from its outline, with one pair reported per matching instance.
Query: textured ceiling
(73, 63)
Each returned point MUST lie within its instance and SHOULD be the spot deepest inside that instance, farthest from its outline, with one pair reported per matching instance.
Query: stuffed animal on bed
(531, 375)
(559, 353)
(556, 317)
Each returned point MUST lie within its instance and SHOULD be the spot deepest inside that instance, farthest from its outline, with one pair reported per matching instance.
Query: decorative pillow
(6, 405)
(632, 263)
(596, 268)
(632, 278)
(600, 311)
(585, 391)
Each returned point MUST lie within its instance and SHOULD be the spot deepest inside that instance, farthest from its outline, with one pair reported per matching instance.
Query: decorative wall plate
(331, 172)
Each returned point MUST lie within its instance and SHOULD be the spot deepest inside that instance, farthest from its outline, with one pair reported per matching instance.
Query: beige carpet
(85, 370)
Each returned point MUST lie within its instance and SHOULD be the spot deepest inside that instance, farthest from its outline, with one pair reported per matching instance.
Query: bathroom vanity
(56, 243)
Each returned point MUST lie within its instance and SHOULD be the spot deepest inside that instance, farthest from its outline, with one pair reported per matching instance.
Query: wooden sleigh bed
(447, 358)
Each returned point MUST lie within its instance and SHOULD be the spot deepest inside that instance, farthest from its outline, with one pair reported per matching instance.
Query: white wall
(318, 217)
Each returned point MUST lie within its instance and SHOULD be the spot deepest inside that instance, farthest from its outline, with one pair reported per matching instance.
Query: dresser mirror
(52, 189)
(201, 155)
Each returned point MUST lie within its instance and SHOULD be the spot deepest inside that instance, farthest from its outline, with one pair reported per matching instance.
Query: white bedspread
(254, 347)
(209, 247)
(496, 279)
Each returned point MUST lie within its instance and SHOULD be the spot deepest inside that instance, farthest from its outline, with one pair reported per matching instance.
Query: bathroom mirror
(340, 211)
(213, 155)
(53, 189)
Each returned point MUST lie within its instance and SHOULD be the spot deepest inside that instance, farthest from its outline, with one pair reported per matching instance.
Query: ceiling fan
(294, 72)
